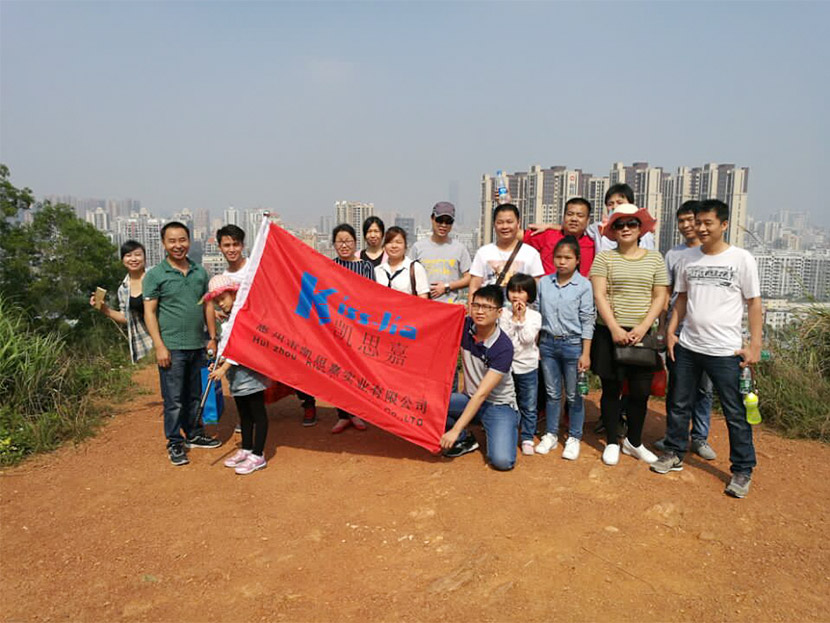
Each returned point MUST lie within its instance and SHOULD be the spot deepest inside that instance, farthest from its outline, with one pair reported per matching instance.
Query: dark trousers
(253, 421)
(639, 387)
(725, 373)
(181, 391)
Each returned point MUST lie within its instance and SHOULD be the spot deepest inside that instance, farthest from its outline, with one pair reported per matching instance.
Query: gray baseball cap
(443, 208)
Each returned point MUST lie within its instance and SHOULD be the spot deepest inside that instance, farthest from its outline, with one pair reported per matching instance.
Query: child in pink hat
(247, 388)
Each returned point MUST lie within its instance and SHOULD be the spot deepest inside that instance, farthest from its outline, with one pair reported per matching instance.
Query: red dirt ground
(367, 527)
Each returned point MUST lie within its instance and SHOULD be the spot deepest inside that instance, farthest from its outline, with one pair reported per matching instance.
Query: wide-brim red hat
(629, 210)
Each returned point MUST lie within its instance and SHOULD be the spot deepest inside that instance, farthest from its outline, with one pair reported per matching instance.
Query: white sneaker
(638, 452)
(571, 451)
(527, 448)
(549, 442)
(611, 454)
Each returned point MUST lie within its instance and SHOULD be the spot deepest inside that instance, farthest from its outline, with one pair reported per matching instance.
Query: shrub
(794, 386)
(48, 384)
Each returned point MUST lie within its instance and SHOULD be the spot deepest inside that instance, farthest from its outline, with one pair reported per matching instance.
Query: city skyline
(293, 106)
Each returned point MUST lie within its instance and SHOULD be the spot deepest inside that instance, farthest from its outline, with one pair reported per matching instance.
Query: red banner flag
(382, 355)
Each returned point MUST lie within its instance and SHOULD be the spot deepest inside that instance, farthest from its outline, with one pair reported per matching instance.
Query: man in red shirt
(574, 223)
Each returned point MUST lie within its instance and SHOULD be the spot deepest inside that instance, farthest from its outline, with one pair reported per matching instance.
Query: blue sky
(296, 105)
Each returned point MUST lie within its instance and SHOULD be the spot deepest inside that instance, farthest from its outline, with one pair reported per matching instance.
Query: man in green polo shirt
(176, 322)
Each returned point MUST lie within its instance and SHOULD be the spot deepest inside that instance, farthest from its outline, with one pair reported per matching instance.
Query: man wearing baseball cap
(447, 261)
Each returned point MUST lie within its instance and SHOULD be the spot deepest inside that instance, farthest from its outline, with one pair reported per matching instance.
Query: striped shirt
(630, 283)
(363, 268)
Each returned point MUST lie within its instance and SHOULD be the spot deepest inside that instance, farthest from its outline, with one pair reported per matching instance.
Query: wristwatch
(447, 288)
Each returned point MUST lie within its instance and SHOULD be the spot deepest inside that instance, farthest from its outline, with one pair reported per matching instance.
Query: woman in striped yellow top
(630, 288)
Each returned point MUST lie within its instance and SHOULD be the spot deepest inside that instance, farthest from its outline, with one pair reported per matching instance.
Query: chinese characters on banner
(382, 355)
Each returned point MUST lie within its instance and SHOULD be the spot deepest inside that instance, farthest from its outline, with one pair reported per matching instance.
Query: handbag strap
(508, 263)
(412, 277)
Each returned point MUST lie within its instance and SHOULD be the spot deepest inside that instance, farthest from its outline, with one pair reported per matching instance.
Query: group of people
(545, 305)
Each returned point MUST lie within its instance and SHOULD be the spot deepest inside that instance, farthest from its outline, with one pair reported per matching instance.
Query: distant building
(794, 275)
(407, 223)
(354, 213)
(144, 228)
(231, 216)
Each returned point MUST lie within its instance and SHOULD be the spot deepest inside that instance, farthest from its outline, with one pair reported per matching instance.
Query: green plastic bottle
(753, 415)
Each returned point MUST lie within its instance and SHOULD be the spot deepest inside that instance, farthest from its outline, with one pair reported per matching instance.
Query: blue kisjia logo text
(319, 301)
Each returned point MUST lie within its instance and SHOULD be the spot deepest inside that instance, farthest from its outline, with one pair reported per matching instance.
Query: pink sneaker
(237, 458)
(250, 464)
(358, 423)
(341, 425)
(527, 448)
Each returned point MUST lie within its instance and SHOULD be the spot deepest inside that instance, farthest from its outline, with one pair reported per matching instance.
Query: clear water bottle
(582, 383)
(753, 415)
(746, 381)
(501, 185)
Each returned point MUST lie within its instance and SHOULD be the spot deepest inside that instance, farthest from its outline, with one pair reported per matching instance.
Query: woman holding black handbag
(630, 290)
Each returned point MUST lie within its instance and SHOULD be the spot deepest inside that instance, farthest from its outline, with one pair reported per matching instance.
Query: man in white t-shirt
(490, 261)
(712, 285)
(231, 241)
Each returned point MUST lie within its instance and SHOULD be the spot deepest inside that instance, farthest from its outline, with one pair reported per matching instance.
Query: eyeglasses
(632, 224)
(344, 243)
(444, 220)
(482, 307)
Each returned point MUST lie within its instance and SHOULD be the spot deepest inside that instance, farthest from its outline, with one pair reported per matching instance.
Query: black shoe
(462, 446)
(203, 441)
(177, 455)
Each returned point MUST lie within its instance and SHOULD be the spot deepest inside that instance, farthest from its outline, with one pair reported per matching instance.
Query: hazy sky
(296, 105)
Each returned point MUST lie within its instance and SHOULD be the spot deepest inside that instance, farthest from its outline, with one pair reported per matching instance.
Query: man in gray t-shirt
(447, 261)
(701, 415)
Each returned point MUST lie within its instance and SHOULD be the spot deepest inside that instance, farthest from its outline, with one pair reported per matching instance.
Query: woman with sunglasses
(630, 289)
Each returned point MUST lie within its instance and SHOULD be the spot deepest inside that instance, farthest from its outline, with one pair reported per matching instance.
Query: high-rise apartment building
(99, 219)
(787, 274)
(143, 228)
(201, 224)
(231, 216)
(354, 213)
(407, 223)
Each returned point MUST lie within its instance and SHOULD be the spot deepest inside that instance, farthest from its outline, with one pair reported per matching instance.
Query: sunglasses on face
(444, 220)
(632, 224)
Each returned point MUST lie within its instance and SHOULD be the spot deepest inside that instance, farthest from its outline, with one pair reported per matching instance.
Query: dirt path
(366, 527)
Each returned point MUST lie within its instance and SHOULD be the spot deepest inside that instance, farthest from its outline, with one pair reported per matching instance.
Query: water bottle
(746, 381)
(753, 415)
(501, 182)
(582, 384)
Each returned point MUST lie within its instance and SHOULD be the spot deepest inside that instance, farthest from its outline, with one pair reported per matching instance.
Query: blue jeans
(501, 426)
(559, 360)
(725, 372)
(181, 390)
(702, 411)
(527, 385)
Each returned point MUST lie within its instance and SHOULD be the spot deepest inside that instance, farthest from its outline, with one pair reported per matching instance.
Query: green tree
(50, 266)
